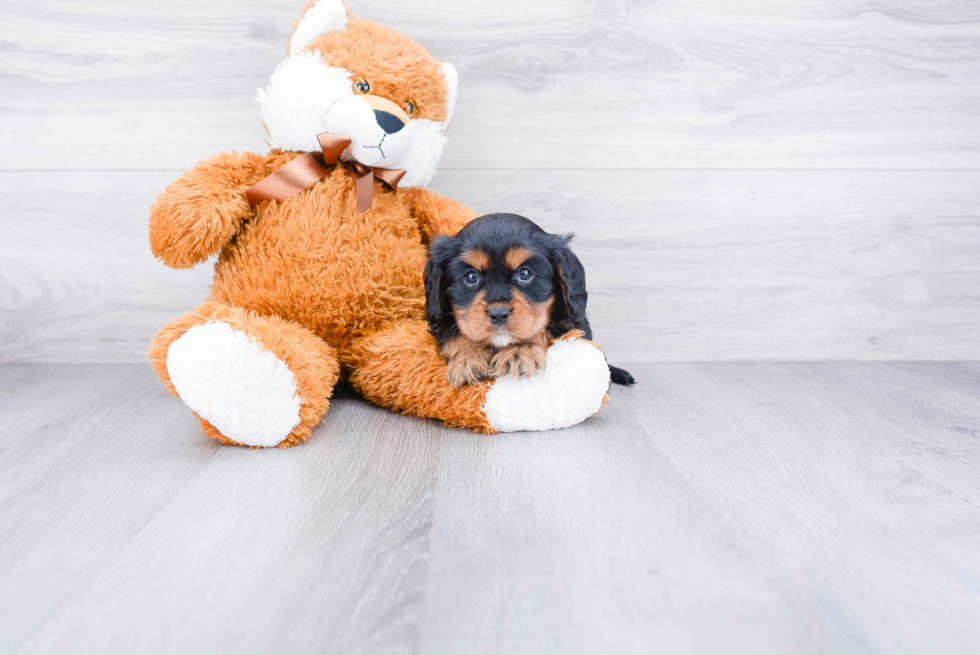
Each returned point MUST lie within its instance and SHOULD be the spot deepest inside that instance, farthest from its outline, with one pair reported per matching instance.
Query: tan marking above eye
(517, 256)
(477, 259)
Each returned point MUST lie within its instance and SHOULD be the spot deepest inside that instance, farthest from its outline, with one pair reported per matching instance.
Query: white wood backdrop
(749, 180)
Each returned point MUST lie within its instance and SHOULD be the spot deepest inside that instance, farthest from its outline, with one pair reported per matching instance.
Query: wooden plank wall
(753, 180)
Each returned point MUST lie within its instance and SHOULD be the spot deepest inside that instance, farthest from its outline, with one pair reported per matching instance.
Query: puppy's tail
(620, 376)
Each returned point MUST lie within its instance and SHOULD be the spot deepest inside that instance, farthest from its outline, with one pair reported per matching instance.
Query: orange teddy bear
(322, 245)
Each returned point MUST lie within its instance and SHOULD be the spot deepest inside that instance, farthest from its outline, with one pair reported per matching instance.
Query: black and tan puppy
(496, 295)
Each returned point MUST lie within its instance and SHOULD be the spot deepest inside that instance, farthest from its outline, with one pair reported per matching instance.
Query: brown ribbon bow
(309, 167)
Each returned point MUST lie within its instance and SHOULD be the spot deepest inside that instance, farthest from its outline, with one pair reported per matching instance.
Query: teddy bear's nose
(388, 122)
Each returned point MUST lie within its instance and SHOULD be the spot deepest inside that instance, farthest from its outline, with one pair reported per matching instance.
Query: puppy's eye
(410, 108)
(471, 278)
(525, 275)
(362, 86)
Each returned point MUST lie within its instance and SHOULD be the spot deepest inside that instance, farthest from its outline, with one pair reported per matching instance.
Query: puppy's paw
(461, 371)
(519, 361)
(466, 362)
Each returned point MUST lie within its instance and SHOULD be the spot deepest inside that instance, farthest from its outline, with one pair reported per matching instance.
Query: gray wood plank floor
(736, 508)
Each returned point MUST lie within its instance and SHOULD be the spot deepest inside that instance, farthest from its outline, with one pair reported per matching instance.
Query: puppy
(498, 293)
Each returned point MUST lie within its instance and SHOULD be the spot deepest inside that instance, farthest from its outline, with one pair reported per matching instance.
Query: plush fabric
(308, 290)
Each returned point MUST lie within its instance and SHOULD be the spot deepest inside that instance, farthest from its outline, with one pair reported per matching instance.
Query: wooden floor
(713, 508)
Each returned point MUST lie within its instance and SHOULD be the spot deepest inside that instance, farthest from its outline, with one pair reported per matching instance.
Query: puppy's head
(503, 280)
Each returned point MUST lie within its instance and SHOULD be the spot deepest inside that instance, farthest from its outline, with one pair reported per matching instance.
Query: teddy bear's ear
(319, 18)
(452, 86)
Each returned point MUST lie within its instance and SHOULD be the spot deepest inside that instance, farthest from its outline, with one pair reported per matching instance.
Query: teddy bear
(321, 244)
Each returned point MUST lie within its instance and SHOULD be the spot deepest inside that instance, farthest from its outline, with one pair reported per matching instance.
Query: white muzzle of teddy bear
(306, 97)
(378, 136)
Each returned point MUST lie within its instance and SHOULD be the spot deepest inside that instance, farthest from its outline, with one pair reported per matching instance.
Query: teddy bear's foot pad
(570, 389)
(243, 390)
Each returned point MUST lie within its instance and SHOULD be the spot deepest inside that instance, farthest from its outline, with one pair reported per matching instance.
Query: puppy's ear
(442, 249)
(570, 278)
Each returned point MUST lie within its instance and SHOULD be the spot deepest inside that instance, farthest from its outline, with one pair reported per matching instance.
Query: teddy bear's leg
(252, 380)
(401, 368)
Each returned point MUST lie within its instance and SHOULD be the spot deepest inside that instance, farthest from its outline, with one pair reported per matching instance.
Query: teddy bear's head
(364, 81)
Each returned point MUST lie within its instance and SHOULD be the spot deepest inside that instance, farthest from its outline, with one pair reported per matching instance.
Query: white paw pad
(244, 391)
(570, 390)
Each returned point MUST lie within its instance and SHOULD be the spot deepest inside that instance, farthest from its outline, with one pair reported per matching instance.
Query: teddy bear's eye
(362, 86)
(410, 108)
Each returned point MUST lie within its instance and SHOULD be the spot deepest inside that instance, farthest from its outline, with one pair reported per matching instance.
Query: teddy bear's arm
(436, 214)
(204, 208)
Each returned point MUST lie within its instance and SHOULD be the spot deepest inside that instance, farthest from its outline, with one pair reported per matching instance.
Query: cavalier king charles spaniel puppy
(498, 293)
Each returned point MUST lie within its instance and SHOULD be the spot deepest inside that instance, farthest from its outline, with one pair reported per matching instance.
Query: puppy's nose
(498, 315)
(388, 122)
